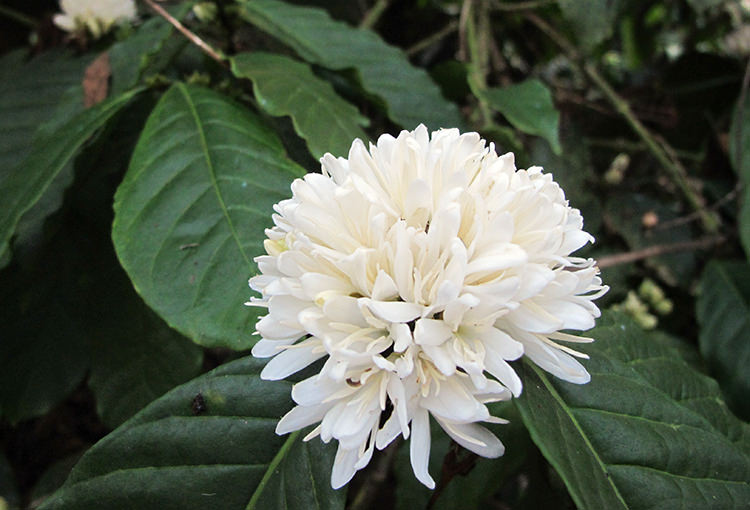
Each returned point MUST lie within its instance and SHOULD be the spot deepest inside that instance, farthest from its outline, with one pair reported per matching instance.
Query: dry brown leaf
(96, 81)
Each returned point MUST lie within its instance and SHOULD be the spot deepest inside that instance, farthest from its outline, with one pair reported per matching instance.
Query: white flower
(418, 269)
(96, 16)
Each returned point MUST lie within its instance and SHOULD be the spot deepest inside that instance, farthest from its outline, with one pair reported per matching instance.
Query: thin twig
(731, 195)
(207, 49)
(18, 16)
(659, 249)
(432, 39)
(373, 15)
(658, 149)
(520, 6)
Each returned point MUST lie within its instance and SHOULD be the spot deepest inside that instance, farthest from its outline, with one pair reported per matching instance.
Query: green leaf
(410, 95)
(739, 151)
(723, 310)
(8, 492)
(593, 21)
(21, 189)
(209, 443)
(131, 58)
(529, 108)
(648, 431)
(284, 86)
(43, 352)
(29, 93)
(191, 211)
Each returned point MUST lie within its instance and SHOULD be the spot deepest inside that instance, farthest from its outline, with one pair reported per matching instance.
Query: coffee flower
(96, 16)
(417, 269)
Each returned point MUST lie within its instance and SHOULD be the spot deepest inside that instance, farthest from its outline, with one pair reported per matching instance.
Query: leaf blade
(21, 190)
(654, 424)
(411, 96)
(529, 108)
(724, 318)
(169, 456)
(284, 86)
(191, 211)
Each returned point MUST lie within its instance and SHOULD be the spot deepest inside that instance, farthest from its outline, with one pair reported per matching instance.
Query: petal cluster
(96, 16)
(416, 270)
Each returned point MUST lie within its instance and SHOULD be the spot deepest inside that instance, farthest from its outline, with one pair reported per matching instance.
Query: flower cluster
(96, 16)
(417, 269)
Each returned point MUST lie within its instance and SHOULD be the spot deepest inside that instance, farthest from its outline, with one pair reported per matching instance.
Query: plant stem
(374, 14)
(18, 16)
(207, 49)
(477, 35)
(431, 39)
(658, 249)
(658, 148)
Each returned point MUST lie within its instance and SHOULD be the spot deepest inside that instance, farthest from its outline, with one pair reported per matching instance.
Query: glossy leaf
(207, 444)
(410, 95)
(648, 431)
(723, 309)
(529, 108)
(21, 190)
(284, 86)
(191, 211)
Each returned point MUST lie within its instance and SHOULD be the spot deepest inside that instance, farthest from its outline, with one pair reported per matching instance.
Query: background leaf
(723, 310)
(20, 190)
(132, 57)
(739, 151)
(191, 212)
(648, 431)
(410, 95)
(529, 108)
(205, 445)
(29, 94)
(592, 21)
(284, 86)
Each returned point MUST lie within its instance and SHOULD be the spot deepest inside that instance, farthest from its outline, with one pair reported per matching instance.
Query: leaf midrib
(567, 410)
(212, 171)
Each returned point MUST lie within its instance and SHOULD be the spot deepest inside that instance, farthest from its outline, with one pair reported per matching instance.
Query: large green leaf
(20, 190)
(191, 212)
(209, 444)
(284, 86)
(723, 310)
(529, 108)
(29, 94)
(647, 432)
(410, 95)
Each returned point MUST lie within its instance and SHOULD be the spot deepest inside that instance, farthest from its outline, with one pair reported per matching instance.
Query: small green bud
(205, 11)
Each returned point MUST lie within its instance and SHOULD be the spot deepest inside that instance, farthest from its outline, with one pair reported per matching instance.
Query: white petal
(384, 288)
(300, 417)
(431, 332)
(343, 467)
(419, 449)
(290, 361)
(556, 362)
(475, 438)
(393, 311)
